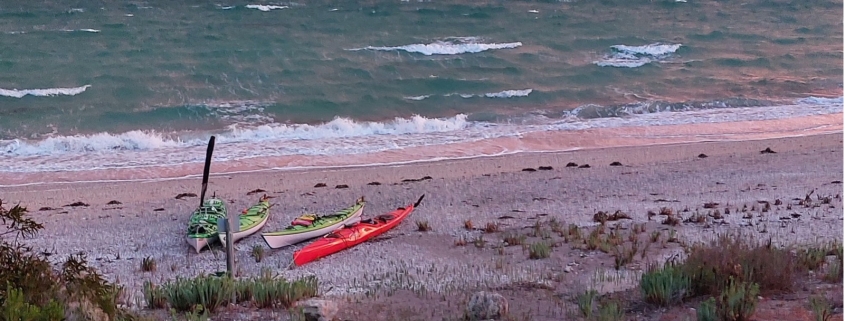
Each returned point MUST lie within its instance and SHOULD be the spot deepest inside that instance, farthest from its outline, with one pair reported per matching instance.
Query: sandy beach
(427, 267)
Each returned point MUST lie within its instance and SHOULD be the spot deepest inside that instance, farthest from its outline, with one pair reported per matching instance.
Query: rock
(567, 269)
(318, 309)
(486, 305)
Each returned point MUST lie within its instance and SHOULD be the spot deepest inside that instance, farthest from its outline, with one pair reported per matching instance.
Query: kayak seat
(301, 222)
(304, 220)
(384, 218)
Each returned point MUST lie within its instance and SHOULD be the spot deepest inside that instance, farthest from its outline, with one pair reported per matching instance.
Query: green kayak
(251, 220)
(202, 226)
(309, 226)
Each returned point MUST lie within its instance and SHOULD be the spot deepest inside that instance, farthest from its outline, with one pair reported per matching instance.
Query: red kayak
(347, 237)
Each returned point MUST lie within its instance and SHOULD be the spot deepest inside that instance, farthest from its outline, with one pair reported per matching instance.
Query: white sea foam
(265, 8)
(509, 93)
(146, 140)
(240, 112)
(129, 15)
(812, 100)
(448, 46)
(636, 56)
(76, 10)
(20, 93)
(90, 30)
(501, 94)
(341, 136)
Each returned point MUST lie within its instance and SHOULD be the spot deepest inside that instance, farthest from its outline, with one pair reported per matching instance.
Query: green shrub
(37, 290)
(665, 285)
(15, 308)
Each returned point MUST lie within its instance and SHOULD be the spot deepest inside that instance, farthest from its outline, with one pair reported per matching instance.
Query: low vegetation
(34, 289)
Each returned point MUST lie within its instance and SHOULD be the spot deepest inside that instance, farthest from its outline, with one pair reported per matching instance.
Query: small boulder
(318, 309)
(486, 305)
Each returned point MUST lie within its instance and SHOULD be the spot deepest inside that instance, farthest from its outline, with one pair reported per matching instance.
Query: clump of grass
(737, 301)
(734, 256)
(655, 237)
(573, 233)
(423, 226)
(154, 296)
(812, 258)
(585, 302)
(148, 264)
(270, 292)
(539, 231)
(834, 271)
(211, 292)
(625, 254)
(665, 285)
(610, 311)
(707, 310)
(539, 250)
(514, 239)
(821, 308)
(491, 227)
(468, 225)
(257, 253)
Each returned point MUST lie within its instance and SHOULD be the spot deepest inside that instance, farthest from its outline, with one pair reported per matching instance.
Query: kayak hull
(277, 240)
(242, 234)
(348, 237)
(198, 243)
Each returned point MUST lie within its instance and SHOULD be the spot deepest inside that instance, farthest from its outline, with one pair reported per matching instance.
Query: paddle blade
(419, 201)
(206, 169)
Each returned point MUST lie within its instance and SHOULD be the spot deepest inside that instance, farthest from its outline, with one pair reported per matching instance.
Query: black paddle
(206, 169)
(417, 204)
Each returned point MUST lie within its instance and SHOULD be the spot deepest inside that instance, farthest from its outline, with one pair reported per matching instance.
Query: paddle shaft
(206, 169)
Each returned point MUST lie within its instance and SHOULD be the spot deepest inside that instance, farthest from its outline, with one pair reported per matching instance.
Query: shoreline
(560, 141)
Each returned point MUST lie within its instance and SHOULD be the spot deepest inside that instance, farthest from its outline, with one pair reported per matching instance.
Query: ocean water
(91, 86)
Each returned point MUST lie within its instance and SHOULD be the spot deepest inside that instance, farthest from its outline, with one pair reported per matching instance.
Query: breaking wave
(636, 56)
(20, 93)
(501, 94)
(264, 8)
(448, 46)
(147, 140)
